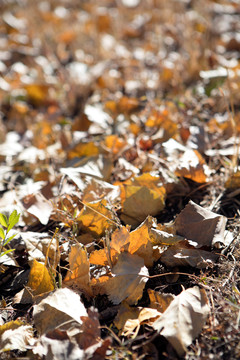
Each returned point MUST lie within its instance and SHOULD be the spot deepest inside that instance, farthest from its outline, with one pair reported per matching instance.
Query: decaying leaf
(138, 203)
(185, 254)
(184, 318)
(135, 242)
(141, 197)
(78, 276)
(15, 335)
(61, 309)
(40, 207)
(128, 281)
(159, 301)
(192, 166)
(129, 319)
(201, 225)
(159, 237)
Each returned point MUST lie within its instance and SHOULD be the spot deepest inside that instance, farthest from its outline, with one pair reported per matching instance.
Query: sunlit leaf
(78, 276)
(13, 220)
(192, 166)
(184, 318)
(3, 220)
(159, 300)
(83, 149)
(96, 217)
(40, 281)
(62, 308)
(15, 335)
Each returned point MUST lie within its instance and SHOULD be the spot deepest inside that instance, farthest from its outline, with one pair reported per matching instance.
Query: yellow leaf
(233, 182)
(39, 280)
(95, 217)
(82, 149)
(100, 257)
(140, 244)
(10, 325)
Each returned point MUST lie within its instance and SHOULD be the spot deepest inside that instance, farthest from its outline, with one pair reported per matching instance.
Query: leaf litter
(119, 141)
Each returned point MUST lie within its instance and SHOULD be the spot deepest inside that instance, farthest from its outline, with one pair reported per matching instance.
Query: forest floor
(119, 174)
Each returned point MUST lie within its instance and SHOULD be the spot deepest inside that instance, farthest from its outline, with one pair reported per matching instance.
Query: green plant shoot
(7, 223)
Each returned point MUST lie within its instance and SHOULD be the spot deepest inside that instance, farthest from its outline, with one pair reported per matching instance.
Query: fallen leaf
(136, 242)
(40, 281)
(192, 166)
(159, 237)
(201, 225)
(138, 202)
(15, 335)
(129, 319)
(97, 166)
(184, 318)
(159, 300)
(95, 217)
(61, 309)
(78, 276)
(185, 254)
(83, 149)
(128, 281)
(39, 206)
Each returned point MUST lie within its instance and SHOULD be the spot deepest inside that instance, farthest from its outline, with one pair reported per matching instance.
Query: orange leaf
(159, 301)
(78, 276)
(114, 143)
(95, 217)
(140, 244)
(192, 166)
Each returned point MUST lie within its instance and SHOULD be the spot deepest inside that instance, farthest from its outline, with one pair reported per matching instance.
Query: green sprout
(7, 224)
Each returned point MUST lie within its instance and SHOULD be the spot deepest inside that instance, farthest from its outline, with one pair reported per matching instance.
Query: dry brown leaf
(200, 225)
(129, 319)
(159, 237)
(184, 318)
(138, 202)
(95, 189)
(61, 309)
(57, 347)
(97, 166)
(185, 254)
(83, 149)
(78, 276)
(159, 301)
(128, 281)
(135, 242)
(39, 206)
